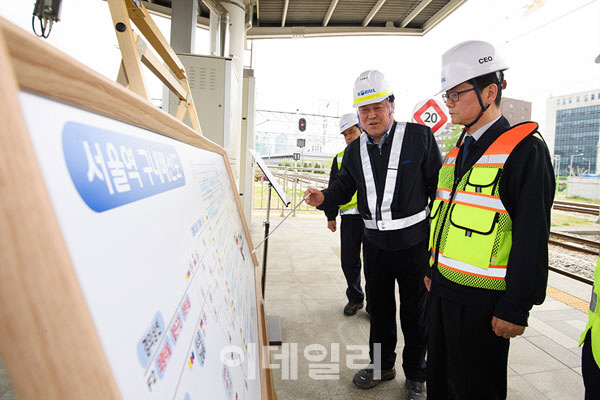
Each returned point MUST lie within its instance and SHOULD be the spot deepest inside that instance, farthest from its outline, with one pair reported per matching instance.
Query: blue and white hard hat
(371, 87)
(348, 121)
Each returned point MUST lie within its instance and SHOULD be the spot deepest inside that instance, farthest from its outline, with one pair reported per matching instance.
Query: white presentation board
(157, 244)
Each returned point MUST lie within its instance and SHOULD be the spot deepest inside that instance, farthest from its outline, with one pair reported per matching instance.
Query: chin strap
(501, 84)
(389, 117)
(483, 108)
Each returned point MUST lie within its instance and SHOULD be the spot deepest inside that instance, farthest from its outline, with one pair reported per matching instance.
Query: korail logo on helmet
(365, 92)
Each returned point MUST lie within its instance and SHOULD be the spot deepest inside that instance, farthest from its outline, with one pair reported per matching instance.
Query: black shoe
(365, 378)
(415, 390)
(351, 308)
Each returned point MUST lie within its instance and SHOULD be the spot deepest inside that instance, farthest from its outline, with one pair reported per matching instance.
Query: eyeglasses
(454, 96)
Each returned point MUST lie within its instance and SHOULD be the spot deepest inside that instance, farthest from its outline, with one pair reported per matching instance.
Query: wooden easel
(134, 49)
(50, 345)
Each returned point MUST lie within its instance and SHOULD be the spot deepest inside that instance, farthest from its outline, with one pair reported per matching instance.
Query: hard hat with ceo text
(468, 60)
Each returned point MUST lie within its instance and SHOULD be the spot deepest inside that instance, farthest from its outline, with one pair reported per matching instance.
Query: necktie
(465, 150)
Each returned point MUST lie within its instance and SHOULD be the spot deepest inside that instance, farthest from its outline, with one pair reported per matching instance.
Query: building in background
(515, 111)
(572, 130)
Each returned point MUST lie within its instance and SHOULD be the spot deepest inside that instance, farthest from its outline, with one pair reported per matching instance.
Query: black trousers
(351, 235)
(590, 370)
(383, 269)
(465, 358)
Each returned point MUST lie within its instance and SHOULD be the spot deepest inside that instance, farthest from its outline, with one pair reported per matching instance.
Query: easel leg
(273, 321)
(265, 248)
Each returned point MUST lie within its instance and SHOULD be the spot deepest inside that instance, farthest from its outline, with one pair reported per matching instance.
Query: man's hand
(315, 197)
(331, 225)
(427, 282)
(506, 329)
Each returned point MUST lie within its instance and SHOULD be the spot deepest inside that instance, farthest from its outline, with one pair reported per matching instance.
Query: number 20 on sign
(430, 113)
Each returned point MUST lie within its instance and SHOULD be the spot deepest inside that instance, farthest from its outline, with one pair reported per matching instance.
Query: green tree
(451, 138)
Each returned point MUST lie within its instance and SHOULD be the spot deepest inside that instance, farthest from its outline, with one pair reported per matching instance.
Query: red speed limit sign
(430, 113)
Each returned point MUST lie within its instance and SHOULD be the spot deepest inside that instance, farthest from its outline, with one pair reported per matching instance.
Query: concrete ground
(306, 289)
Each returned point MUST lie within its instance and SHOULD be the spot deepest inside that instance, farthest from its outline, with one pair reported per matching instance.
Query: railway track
(574, 243)
(581, 208)
(577, 244)
(571, 275)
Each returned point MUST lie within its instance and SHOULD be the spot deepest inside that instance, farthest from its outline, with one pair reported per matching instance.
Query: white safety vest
(386, 223)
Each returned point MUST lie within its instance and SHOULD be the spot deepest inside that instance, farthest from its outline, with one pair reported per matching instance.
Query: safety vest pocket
(501, 251)
(471, 235)
(433, 217)
(435, 209)
(483, 180)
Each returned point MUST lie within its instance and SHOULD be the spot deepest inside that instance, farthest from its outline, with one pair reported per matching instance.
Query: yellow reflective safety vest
(593, 318)
(351, 207)
(471, 232)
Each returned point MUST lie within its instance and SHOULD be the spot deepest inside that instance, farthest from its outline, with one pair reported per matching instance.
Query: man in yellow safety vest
(351, 227)
(489, 231)
(590, 338)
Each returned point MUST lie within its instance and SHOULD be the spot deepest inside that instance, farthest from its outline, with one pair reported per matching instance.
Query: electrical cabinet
(210, 79)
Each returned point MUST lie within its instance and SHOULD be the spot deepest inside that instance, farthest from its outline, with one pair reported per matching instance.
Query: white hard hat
(468, 60)
(370, 87)
(348, 121)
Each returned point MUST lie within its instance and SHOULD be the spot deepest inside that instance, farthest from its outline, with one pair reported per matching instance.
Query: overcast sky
(551, 52)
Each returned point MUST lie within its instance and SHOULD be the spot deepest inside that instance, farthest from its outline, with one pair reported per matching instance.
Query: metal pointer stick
(290, 213)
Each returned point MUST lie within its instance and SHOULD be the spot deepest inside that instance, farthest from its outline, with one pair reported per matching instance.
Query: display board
(127, 269)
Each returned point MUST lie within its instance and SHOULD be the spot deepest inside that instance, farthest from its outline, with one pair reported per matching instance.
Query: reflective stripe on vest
(478, 200)
(469, 220)
(593, 323)
(349, 211)
(386, 223)
(350, 208)
(494, 272)
(493, 160)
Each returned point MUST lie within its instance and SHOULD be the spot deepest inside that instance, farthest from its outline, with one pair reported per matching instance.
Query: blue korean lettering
(111, 169)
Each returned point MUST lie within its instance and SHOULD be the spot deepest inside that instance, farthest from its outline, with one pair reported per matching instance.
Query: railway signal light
(302, 124)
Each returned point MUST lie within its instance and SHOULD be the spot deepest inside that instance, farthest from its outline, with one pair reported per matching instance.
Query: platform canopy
(269, 19)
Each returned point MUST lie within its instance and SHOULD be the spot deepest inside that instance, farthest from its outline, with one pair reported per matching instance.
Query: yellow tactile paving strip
(568, 299)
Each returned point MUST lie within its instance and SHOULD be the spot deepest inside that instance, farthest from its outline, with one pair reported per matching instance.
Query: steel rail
(571, 275)
(580, 210)
(576, 204)
(575, 239)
